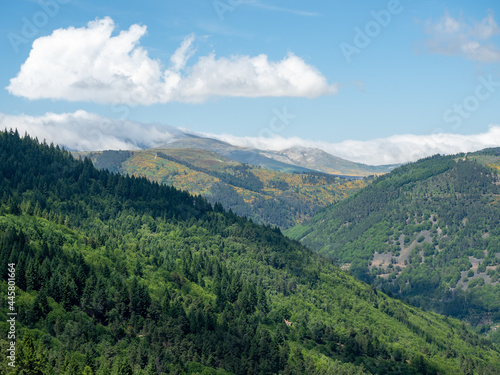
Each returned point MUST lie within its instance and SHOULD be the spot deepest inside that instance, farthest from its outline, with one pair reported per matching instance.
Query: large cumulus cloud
(92, 64)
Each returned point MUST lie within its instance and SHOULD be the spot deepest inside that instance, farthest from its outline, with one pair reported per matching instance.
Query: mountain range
(295, 159)
(261, 194)
(424, 232)
(120, 275)
(281, 188)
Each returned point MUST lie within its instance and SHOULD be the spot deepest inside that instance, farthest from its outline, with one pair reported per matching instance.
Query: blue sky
(332, 74)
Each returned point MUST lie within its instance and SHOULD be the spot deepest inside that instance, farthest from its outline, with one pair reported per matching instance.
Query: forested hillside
(120, 275)
(266, 196)
(428, 232)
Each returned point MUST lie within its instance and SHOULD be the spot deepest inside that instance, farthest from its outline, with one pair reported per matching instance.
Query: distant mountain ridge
(317, 159)
(236, 153)
(294, 159)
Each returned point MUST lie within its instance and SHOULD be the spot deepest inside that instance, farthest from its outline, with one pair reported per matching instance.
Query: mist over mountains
(86, 131)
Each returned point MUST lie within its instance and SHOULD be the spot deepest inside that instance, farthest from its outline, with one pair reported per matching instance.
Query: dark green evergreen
(118, 275)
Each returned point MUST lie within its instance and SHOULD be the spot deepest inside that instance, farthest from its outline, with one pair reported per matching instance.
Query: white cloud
(182, 54)
(392, 150)
(84, 131)
(90, 64)
(454, 37)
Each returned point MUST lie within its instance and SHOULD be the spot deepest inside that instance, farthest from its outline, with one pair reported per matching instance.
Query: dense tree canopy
(119, 275)
(428, 232)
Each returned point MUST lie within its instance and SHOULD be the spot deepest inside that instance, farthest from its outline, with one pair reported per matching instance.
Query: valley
(250, 187)
(283, 197)
(121, 275)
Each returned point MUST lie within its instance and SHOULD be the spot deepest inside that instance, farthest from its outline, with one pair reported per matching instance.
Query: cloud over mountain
(391, 150)
(91, 64)
(84, 131)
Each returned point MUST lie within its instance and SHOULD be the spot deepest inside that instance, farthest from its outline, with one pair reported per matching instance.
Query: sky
(378, 82)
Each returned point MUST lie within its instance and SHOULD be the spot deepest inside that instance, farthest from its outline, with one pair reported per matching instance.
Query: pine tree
(103, 369)
(139, 298)
(122, 367)
(72, 367)
(41, 305)
(28, 360)
(151, 368)
(298, 357)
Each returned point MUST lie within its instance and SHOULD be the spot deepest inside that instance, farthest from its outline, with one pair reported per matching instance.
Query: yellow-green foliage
(315, 194)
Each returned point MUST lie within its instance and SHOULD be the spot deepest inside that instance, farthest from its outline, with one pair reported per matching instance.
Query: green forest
(121, 275)
(428, 232)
